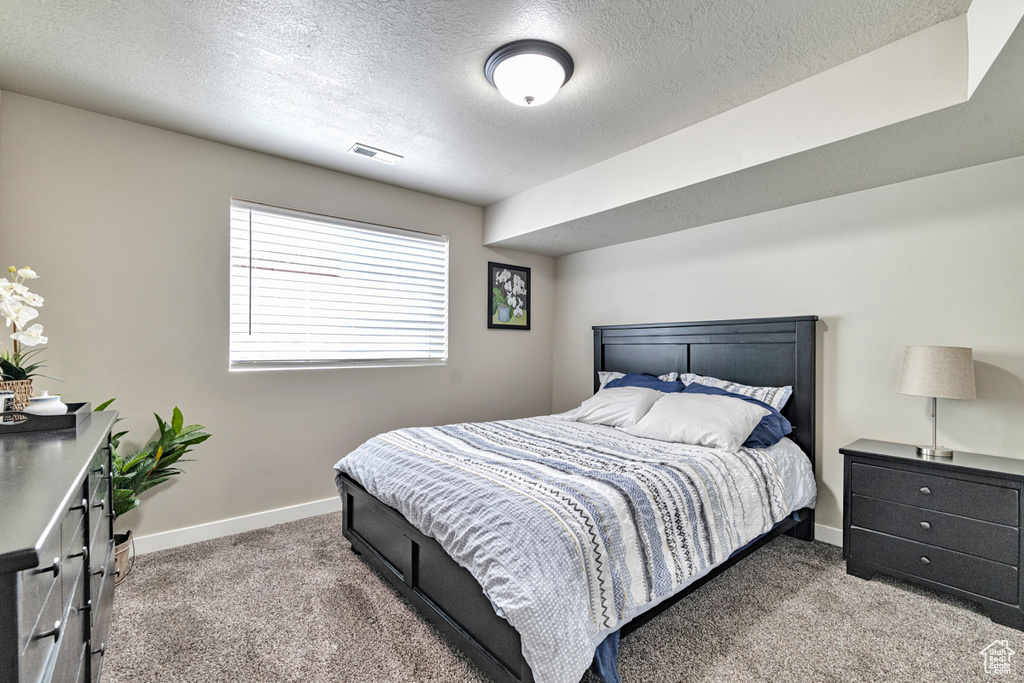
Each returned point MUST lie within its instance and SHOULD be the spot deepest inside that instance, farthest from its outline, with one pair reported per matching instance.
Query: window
(311, 291)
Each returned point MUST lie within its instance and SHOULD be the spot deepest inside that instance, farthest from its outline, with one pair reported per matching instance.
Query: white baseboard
(259, 520)
(235, 525)
(827, 534)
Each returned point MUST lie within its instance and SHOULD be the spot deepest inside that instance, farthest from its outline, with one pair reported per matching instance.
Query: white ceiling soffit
(733, 164)
(305, 79)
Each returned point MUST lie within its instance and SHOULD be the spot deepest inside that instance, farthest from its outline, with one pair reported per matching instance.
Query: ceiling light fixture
(528, 72)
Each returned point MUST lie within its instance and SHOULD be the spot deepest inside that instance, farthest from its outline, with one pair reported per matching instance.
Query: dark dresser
(951, 524)
(56, 553)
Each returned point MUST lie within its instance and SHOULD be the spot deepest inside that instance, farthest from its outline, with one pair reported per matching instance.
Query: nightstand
(952, 524)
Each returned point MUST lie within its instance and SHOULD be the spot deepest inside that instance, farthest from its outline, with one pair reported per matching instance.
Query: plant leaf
(134, 461)
(11, 372)
(156, 463)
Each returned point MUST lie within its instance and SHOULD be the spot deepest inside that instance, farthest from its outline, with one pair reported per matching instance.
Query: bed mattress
(574, 529)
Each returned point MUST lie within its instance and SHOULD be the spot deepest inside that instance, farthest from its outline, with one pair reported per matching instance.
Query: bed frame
(764, 352)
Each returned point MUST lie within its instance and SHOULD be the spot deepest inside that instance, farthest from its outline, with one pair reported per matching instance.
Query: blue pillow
(646, 381)
(768, 432)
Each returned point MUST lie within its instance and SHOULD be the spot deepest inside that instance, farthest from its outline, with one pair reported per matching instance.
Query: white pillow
(617, 407)
(776, 397)
(700, 420)
(605, 377)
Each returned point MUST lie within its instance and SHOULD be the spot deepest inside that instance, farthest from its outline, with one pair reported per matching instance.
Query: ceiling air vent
(375, 154)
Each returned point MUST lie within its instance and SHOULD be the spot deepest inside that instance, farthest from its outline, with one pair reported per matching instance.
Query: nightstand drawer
(983, 539)
(946, 567)
(965, 498)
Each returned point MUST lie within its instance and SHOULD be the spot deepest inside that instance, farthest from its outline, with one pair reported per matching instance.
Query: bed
(766, 352)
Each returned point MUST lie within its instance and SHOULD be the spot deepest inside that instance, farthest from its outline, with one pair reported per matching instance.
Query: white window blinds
(316, 291)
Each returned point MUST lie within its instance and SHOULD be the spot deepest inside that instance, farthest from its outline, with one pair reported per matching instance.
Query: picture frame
(508, 297)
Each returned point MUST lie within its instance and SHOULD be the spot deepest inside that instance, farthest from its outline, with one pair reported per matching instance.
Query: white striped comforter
(573, 529)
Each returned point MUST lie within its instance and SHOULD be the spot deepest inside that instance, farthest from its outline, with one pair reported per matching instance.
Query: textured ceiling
(305, 79)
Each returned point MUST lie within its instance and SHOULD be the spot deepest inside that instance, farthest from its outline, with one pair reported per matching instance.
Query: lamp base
(934, 452)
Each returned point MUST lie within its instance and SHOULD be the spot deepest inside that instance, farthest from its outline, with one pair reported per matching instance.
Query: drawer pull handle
(926, 491)
(926, 525)
(100, 505)
(87, 607)
(101, 650)
(55, 568)
(54, 633)
(82, 507)
(925, 560)
(84, 553)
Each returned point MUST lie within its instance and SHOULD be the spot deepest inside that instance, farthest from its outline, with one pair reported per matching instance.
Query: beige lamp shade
(937, 371)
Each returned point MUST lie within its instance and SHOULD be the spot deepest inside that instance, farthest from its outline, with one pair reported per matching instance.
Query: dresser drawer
(101, 576)
(40, 640)
(36, 584)
(75, 551)
(946, 567)
(987, 502)
(983, 539)
(73, 525)
(71, 646)
(99, 509)
(101, 563)
(99, 467)
(102, 609)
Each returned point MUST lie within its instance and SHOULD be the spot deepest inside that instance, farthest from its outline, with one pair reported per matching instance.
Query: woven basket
(22, 389)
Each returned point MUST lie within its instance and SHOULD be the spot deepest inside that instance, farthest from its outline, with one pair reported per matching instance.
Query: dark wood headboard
(771, 352)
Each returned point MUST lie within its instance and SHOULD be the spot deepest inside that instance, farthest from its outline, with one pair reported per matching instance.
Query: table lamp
(937, 372)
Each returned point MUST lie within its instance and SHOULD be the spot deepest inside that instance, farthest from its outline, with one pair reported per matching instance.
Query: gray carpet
(292, 603)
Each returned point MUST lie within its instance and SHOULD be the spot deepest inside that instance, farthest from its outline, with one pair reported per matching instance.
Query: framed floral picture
(508, 297)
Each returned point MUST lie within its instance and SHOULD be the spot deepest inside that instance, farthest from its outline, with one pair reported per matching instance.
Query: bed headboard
(762, 351)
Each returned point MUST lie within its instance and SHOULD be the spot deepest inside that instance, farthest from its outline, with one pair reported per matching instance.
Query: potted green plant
(137, 473)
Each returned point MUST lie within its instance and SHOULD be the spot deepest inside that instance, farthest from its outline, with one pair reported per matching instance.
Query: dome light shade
(528, 72)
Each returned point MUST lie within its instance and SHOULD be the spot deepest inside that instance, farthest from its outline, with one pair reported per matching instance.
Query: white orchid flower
(16, 312)
(517, 313)
(513, 302)
(32, 299)
(33, 336)
(14, 289)
(27, 273)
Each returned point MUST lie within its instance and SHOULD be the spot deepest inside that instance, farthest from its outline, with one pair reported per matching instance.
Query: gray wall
(932, 261)
(128, 227)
